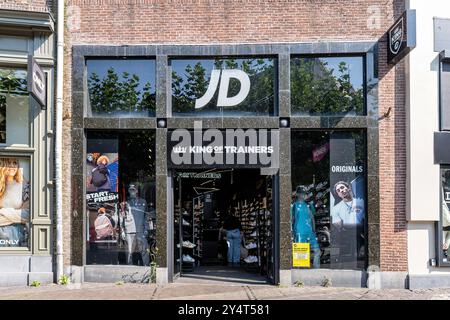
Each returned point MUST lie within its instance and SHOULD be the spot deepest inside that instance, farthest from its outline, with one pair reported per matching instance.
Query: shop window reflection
(328, 211)
(121, 88)
(14, 107)
(192, 78)
(120, 195)
(327, 86)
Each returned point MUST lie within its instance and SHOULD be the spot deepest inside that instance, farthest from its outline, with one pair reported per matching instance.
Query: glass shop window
(14, 107)
(121, 88)
(14, 202)
(224, 87)
(328, 211)
(328, 86)
(120, 198)
(445, 216)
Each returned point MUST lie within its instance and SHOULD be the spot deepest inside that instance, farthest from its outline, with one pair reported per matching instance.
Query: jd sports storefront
(261, 158)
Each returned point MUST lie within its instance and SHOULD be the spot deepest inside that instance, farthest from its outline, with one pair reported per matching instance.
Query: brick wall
(392, 157)
(261, 21)
(28, 5)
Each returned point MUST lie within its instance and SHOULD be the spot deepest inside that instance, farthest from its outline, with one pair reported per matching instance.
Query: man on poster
(349, 211)
(348, 217)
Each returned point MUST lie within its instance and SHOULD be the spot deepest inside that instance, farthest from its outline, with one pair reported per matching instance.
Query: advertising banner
(102, 197)
(320, 152)
(347, 202)
(14, 202)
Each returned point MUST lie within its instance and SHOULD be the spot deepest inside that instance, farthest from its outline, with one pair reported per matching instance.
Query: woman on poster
(14, 204)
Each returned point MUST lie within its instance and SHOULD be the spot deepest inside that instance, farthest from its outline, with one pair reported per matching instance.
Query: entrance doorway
(224, 225)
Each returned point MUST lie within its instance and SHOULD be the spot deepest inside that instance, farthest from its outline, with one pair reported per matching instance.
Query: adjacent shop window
(14, 202)
(121, 88)
(327, 86)
(14, 107)
(223, 87)
(120, 196)
(445, 215)
(328, 209)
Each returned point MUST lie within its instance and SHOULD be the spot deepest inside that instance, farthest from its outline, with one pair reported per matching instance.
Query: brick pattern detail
(28, 5)
(260, 21)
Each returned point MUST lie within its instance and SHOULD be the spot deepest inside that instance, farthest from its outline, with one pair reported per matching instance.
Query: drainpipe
(58, 138)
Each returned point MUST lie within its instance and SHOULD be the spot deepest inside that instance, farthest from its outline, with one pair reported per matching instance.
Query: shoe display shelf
(197, 217)
(185, 222)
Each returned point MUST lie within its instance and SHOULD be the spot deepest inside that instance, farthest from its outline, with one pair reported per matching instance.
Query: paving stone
(211, 291)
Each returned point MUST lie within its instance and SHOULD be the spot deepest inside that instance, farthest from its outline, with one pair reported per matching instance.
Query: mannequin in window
(14, 204)
(135, 226)
(303, 224)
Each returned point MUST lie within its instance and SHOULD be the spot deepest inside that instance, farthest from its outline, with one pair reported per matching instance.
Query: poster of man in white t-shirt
(349, 211)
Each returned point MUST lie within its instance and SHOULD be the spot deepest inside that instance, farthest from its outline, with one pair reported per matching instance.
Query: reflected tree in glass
(114, 94)
(317, 88)
(192, 82)
(13, 83)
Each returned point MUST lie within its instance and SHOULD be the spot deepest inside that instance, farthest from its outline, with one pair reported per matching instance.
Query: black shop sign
(402, 37)
(231, 148)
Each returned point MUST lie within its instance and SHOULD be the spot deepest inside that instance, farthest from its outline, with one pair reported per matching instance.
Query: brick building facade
(27, 29)
(261, 22)
(283, 29)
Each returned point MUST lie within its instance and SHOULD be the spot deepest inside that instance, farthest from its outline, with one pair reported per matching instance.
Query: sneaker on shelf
(251, 245)
(321, 185)
(253, 234)
(251, 259)
(185, 223)
(185, 213)
(188, 244)
(188, 258)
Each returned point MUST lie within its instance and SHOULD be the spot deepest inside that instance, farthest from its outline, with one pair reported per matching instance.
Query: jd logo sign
(223, 100)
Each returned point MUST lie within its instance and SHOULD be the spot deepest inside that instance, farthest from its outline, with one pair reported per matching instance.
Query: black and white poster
(347, 202)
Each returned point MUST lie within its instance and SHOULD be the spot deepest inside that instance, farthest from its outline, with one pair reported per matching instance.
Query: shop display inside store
(223, 218)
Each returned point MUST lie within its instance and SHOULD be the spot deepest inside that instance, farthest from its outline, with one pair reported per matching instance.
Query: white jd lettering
(223, 100)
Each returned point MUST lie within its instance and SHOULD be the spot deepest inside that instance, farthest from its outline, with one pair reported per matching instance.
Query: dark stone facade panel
(161, 220)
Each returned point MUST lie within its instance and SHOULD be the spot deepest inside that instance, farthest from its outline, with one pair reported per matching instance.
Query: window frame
(364, 134)
(364, 84)
(31, 105)
(87, 110)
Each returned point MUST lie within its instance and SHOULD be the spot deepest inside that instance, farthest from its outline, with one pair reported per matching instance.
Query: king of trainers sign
(402, 37)
(248, 148)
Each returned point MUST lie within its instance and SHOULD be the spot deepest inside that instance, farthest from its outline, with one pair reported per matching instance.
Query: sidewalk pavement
(210, 291)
